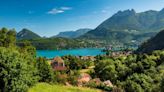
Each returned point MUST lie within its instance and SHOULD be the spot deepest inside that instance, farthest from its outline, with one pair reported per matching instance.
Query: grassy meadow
(44, 87)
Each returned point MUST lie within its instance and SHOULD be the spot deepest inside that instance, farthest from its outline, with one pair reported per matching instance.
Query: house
(110, 47)
(58, 64)
(121, 53)
(84, 78)
(97, 81)
(108, 83)
(92, 58)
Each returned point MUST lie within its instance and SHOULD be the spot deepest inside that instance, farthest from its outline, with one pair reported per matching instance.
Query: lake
(75, 52)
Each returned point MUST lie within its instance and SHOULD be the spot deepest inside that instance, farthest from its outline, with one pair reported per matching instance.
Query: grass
(44, 87)
(87, 70)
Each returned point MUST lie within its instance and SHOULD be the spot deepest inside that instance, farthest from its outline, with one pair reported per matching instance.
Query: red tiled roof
(59, 68)
(58, 59)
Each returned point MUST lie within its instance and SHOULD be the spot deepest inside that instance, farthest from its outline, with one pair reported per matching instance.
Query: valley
(123, 29)
(81, 46)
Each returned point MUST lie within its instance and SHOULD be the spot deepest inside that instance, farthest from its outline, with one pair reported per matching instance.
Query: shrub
(16, 74)
(45, 71)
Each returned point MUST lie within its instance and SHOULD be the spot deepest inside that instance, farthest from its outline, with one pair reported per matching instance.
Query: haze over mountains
(124, 27)
(28, 34)
(128, 26)
(73, 34)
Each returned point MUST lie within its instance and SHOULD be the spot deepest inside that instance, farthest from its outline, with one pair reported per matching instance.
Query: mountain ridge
(128, 24)
(26, 34)
(155, 43)
(72, 34)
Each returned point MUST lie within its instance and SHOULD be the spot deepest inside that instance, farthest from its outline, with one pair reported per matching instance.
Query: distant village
(58, 64)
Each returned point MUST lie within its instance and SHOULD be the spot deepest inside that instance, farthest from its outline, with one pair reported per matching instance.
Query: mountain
(126, 26)
(73, 34)
(155, 43)
(27, 34)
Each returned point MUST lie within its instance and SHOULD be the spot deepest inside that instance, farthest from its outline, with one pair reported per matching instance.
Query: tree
(143, 80)
(16, 75)
(26, 47)
(11, 38)
(135, 73)
(17, 71)
(162, 85)
(131, 86)
(73, 63)
(44, 70)
(106, 70)
(7, 37)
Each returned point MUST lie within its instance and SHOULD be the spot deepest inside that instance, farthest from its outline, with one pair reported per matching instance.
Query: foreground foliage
(142, 73)
(44, 70)
(17, 70)
(16, 74)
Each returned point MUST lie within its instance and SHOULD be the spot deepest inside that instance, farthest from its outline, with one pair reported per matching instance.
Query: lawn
(87, 70)
(44, 87)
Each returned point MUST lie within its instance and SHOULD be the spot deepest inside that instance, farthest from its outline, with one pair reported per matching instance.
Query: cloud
(59, 10)
(55, 11)
(66, 8)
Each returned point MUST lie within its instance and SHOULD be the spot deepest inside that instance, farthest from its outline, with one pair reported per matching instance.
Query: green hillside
(58, 43)
(127, 26)
(27, 34)
(155, 43)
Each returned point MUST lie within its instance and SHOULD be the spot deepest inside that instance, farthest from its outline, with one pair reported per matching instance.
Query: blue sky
(49, 17)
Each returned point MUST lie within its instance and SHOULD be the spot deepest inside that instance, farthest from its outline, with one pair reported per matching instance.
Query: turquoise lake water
(75, 52)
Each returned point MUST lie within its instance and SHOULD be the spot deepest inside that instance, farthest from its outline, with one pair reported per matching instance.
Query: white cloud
(59, 10)
(66, 8)
(55, 11)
